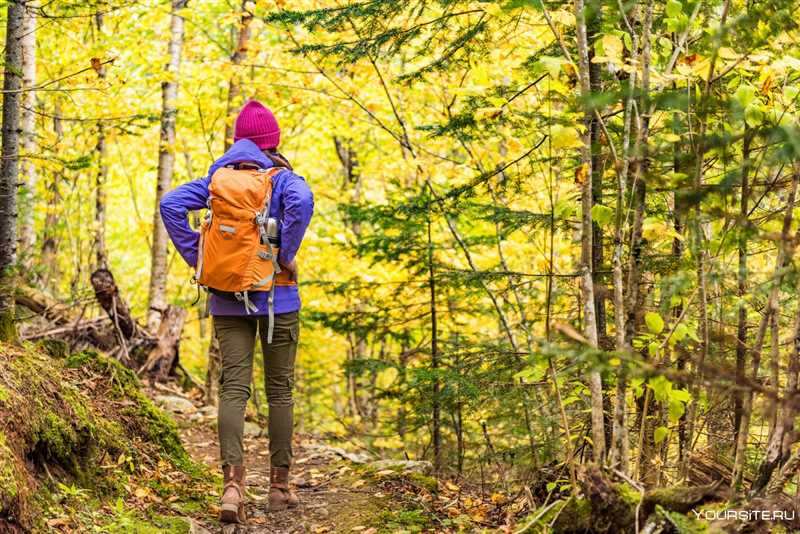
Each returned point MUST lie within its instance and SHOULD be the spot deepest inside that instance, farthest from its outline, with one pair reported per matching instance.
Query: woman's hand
(290, 268)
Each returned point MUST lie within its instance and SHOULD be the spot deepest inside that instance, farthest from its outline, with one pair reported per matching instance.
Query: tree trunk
(100, 183)
(234, 89)
(741, 327)
(107, 294)
(619, 455)
(163, 359)
(166, 165)
(782, 435)
(785, 253)
(587, 284)
(9, 166)
(436, 437)
(27, 232)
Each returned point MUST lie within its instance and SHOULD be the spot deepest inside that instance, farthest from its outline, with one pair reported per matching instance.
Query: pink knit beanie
(257, 123)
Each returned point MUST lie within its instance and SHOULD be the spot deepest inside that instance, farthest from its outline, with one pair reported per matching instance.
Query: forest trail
(317, 477)
(336, 494)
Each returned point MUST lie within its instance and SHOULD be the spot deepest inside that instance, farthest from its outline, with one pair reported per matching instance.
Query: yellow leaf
(581, 174)
(452, 487)
(494, 9)
(498, 498)
(564, 137)
(612, 48)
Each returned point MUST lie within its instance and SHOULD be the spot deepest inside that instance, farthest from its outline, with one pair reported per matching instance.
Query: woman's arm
(298, 206)
(175, 207)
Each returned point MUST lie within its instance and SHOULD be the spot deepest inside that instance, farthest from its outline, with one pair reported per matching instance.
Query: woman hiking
(245, 257)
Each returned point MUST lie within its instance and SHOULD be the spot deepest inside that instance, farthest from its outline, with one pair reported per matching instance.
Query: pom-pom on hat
(257, 123)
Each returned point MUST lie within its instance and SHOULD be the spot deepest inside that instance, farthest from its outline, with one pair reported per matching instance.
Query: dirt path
(329, 502)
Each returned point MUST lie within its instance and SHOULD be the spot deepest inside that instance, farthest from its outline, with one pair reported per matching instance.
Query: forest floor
(336, 494)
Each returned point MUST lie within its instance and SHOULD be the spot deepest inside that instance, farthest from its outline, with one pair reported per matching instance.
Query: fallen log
(707, 466)
(117, 333)
(163, 359)
(57, 320)
(609, 506)
(107, 294)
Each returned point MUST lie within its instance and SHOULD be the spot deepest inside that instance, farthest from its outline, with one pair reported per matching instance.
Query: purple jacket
(292, 204)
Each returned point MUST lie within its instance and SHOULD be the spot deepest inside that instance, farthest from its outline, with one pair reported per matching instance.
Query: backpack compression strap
(262, 219)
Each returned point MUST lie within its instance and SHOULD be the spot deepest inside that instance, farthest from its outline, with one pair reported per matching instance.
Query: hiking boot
(232, 506)
(280, 496)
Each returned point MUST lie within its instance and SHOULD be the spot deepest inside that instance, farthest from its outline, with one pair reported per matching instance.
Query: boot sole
(230, 514)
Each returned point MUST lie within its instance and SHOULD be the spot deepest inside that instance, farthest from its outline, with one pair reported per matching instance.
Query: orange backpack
(235, 254)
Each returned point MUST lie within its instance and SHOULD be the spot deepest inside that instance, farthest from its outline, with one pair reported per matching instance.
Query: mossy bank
(81, 446)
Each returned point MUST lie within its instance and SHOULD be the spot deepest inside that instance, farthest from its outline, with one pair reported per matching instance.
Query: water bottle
(272, 231)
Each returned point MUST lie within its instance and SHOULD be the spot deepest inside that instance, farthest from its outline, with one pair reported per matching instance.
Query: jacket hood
(241, 151)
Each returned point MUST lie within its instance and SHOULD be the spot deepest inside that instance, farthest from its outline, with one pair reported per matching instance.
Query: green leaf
(660, 434)
(564, 209)
(674, 8)
(654, 322)
(682, 395)
(602, 215)
(745, 95)
(679, 333)
(676, 410)
(636, 384)
(552, 65)
(662, 388)
(551, 486)
(753, 114)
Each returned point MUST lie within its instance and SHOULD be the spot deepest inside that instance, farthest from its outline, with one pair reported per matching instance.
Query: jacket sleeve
(175, 207)
(298, 206)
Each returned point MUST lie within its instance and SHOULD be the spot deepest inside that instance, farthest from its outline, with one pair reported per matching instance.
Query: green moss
(129, 522)
(362, 511)
(573, 515)
(392, 521)
(429, 483)
(94, 429)
(685, 524)
(9, 488)
(57, 436)
(629, 494)
(8, 327)
(151, 421)
(55, 348)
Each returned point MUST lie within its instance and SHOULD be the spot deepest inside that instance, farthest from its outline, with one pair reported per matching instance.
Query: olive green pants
(237, 336)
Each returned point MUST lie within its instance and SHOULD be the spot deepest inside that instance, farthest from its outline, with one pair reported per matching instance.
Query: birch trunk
(100, 183)
(166, 166)
(9, 166)
(587, 284)
(619, 455)
(234, 87)
(27, 233)
(50, 238)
